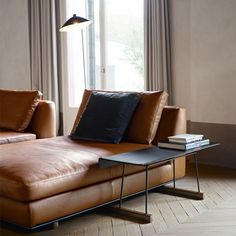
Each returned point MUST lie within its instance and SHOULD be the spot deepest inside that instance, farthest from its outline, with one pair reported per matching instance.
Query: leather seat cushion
(45, 167)
(14, 137)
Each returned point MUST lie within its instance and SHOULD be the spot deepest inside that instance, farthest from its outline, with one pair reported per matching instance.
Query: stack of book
(184, 141)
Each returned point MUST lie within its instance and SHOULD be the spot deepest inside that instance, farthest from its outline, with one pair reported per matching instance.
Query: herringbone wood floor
(215, 215)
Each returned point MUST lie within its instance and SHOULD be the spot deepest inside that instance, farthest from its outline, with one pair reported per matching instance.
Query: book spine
(188, 146)
(184, 141)
(197, 144)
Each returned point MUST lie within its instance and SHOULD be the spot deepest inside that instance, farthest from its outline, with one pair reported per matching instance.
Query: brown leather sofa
(47, 179)
(24, 117)
(42, 125)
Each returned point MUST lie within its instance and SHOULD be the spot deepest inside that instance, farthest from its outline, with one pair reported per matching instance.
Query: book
(185, 138)
(183, 146)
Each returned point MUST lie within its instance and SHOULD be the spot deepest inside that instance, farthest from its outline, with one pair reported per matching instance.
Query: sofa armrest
(43, 122)
(173, 121)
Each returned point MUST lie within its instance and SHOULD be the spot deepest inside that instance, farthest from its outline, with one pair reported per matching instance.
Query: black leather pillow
(106, 116)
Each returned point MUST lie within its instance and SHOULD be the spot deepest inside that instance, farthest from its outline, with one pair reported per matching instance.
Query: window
(75, 63)
(113, 47)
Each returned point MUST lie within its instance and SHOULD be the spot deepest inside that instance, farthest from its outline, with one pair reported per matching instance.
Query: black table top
(149, 156)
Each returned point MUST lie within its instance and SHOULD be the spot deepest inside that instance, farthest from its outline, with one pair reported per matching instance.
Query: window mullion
(103, 43)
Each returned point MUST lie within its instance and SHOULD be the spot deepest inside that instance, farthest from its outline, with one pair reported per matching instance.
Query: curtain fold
(44, 50)
(157, 55)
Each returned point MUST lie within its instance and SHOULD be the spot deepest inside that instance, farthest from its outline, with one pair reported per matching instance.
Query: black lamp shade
(75, 23)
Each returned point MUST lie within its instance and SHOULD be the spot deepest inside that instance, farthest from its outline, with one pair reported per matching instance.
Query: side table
(153, 155)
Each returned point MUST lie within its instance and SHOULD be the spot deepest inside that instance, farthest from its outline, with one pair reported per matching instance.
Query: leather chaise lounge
(45, 180)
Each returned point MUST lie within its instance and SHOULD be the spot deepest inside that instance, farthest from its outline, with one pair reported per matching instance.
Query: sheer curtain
(157, 62)
(43, 31)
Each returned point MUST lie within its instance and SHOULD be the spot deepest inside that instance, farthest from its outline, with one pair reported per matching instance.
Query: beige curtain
(157, 69)
(43, 31)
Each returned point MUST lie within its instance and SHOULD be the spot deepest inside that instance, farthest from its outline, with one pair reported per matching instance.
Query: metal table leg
(197, 174)
(122, 185)
(183, 192)
(174, 173)
(140, 217)
(146, 191)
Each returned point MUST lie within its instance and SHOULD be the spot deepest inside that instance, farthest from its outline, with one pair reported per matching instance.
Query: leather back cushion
(144, 124)
(106, 116)
(145, 120)
(83, 104)
(173, 121)
(17, 108)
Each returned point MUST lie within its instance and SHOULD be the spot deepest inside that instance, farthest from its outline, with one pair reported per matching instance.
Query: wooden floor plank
(199, 206)
(178, 211)
(119, 227)
(147, 230)
(159, 223)
(105, 226)
(208, 202)
(133, 229)
(91, 230)
(167, 214)
(188, 207)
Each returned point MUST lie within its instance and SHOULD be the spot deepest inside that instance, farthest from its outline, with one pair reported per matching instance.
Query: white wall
(204, 58)
(203, 38)
(14, 45)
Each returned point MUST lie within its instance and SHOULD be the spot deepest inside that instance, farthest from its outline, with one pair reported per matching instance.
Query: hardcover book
(185, 138)
(183, 146)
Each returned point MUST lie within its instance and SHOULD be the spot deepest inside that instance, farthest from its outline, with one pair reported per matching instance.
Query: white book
(185, 138)
(182, 146)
